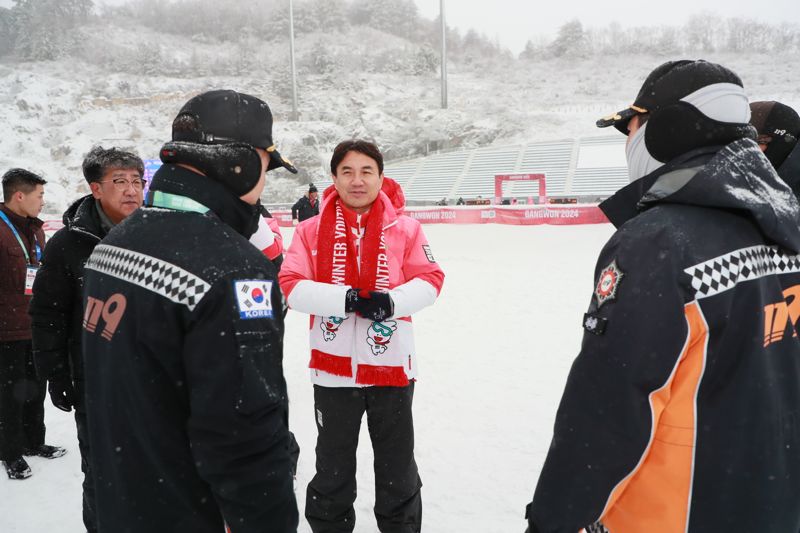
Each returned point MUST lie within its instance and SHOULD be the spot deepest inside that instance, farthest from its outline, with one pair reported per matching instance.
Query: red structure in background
(499, 179)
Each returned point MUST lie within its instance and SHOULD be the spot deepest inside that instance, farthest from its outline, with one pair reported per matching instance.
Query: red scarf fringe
(332, 364)
(387, 376)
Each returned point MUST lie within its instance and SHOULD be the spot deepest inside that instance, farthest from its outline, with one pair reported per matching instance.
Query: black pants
(89, 513)
(330, 496)
(21, 401)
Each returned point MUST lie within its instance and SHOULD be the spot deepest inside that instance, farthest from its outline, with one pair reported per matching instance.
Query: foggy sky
(513, 22)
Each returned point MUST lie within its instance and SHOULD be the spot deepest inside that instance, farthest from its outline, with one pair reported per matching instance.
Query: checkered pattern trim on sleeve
(726, 271)
(153, 274)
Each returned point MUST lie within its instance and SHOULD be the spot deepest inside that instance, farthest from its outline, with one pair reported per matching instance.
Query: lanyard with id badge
(31, 269)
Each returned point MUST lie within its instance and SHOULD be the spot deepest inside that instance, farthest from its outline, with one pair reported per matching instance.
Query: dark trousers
(21, 401)
(89, 513)
(330, 495)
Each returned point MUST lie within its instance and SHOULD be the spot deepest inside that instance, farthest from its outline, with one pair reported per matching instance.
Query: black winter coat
(681, 411)
(183, 344)
(789, 170)
(57, 306)
(303, 209)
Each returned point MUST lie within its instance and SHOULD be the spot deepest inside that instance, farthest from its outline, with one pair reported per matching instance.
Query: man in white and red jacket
(361, 269)
(268, 238)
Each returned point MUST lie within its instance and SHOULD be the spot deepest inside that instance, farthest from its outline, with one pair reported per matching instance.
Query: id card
(30, 275)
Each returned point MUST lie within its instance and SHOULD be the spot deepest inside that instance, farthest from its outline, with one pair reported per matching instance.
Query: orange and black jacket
(682, 411)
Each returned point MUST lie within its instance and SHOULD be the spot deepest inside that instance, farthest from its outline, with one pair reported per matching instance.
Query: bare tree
(703, 32)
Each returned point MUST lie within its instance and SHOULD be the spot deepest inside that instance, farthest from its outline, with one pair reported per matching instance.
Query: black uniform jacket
(790, 169)
(302, 209)
(682, 411)
(186, 398)
(57, 305)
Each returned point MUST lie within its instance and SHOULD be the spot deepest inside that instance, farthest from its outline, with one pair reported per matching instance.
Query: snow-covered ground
(494, 354)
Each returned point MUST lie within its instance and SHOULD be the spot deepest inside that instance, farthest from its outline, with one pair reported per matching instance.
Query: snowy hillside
(53, 111)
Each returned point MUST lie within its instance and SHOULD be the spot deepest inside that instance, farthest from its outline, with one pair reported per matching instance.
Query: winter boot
(46, 451)
(17, 469)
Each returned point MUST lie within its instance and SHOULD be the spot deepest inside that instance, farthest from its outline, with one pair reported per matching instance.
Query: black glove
(378, 307)
(351, 300)
(263, 211)
(62, 393)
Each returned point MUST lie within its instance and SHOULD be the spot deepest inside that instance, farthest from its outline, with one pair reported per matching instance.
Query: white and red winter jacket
(268, 238)
(415, 280)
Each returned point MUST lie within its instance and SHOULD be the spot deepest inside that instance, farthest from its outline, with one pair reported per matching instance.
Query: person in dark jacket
(22, 390)
(115, 178)
(778, 127)
(182, 340)
(680, 412)
(307, 206)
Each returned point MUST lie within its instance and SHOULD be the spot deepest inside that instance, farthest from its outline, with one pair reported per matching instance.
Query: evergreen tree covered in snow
(398, 17)
(329, 15)
(6, 27)
(571, 41)
(46, 29)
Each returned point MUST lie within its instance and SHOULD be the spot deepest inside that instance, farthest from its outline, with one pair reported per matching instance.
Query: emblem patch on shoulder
(608, 283)
(594, 324)
(253, 298)
(427, 249)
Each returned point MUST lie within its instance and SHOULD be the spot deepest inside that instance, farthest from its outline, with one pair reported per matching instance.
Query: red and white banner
(516, 215)
(528, 215)
(52, 226)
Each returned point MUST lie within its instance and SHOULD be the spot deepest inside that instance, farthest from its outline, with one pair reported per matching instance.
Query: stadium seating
(584, 167)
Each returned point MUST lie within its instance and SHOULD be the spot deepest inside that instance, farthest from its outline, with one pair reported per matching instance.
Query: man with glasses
(116, 183)
(681, 411)
(778, 127)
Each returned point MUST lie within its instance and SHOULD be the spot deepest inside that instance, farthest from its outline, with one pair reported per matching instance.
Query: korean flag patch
(253, 298)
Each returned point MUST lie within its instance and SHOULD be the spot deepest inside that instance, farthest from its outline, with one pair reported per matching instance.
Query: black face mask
(252, 225)
(779, 148)
(789, 170)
